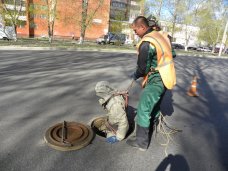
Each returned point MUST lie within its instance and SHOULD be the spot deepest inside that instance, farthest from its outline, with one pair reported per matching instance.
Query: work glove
(112, 140)
(133, 76)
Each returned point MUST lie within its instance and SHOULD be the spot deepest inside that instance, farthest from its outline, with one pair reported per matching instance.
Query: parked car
(177, 46)
(192, 48)
(216, 50)
(112, 38)
(226, 51)
(3, 36)
(115, 38)
(102, 40)
(128, 42)
(203, 49)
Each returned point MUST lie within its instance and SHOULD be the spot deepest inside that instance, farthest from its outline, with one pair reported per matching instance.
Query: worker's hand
(133, 76)
(112, 139)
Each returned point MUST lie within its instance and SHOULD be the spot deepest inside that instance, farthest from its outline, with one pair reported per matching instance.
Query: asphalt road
(41, 88)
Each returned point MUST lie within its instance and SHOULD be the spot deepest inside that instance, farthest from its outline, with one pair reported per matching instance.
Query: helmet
(104, 90)
(152, 20)
(104, 87)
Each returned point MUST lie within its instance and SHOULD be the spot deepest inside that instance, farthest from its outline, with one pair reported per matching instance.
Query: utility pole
(223, 39)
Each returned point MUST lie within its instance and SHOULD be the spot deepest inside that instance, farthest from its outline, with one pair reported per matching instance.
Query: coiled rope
(163, 127)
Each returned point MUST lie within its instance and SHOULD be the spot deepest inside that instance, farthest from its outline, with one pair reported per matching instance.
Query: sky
(165, 14)
(226, 2)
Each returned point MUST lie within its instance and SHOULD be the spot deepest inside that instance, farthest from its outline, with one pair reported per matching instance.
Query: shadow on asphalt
(174, 162)
(209, 110)
(167, 104)
(131, 113)
(41, 88)
(216, 114)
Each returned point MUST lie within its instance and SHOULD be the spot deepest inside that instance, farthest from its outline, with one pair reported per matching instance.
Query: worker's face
(139, 29)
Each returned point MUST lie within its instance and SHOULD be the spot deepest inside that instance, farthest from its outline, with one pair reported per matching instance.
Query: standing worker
(155, 64)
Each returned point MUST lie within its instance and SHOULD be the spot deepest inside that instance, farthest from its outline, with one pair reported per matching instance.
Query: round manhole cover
(99, 127)
(68, 136)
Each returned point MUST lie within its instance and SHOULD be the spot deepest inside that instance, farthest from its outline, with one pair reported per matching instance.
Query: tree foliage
(51, 13)
(10, 12)
(210, 16)
(47, 11)
(211, 21)
(154, 8)
(87, 16)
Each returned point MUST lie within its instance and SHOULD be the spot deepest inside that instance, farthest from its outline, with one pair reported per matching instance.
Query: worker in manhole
(116, 125)
(155, 64)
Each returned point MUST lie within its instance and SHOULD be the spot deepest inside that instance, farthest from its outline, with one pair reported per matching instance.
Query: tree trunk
(82, 36)
(159, 9)
(187, 37)
(213, 48)
(83, 22)
(49, 33)
(174, 23)
(15, 30)
(173, 27)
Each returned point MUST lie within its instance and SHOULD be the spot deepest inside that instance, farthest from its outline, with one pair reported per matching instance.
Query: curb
(99, 50)
(202, 56)
(66, 49)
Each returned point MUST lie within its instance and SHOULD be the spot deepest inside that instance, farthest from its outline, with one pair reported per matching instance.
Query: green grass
(194, 52)
(61, 43)
(66, 43)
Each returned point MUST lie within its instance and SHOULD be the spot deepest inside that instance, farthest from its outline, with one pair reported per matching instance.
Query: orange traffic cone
(192, 91)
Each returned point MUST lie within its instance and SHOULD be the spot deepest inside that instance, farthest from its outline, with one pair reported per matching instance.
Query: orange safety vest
(165, 64)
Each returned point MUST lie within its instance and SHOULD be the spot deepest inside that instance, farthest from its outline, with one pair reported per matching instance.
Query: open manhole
(68, 136)
(99, 127)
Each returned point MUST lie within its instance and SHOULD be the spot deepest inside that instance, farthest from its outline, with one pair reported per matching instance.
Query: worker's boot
(141, 138)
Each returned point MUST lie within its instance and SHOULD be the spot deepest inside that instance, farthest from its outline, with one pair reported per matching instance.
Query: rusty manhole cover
(98, 126)
(68, 136)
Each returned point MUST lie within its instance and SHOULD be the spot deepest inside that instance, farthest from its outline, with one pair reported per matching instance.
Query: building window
(33, 25)
(119, 5)
(43, 16)
(21, 26)
(43, 7)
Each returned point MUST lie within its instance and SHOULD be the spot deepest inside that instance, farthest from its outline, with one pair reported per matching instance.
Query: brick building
(113, 16)
(68, 17)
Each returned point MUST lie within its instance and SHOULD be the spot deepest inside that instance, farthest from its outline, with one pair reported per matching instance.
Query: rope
(124, 93)
(162, 126)
(131, 85)
(109, 127)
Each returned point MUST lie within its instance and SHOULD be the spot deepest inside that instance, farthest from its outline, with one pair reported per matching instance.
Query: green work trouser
(149, 103)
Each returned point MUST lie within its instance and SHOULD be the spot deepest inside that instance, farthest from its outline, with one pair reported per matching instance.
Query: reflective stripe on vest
(165, 64)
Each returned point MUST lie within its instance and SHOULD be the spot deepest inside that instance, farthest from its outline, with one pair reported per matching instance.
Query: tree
(154, 8)
(11, 10)
(2, 18)
(173, 11)
(47, 9)
(117, 25)
(51, 13)
(176, 9)
(212, 22)
(87, 17)
(190, 14)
